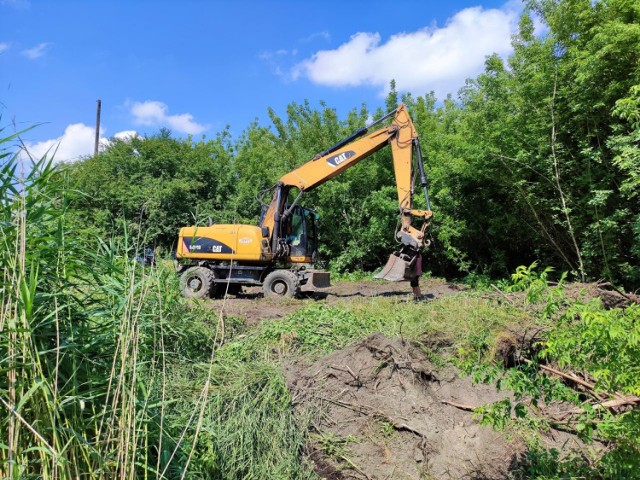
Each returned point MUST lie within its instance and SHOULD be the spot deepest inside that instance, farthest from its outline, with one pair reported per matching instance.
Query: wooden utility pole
(95, 150)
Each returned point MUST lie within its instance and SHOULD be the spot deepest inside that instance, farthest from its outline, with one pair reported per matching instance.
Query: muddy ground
(379, 409)
(261, 308)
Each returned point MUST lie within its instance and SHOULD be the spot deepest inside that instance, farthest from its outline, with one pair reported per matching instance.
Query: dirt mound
(380, 411)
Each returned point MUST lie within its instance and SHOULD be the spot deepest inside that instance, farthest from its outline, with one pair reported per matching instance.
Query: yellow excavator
(279, 253)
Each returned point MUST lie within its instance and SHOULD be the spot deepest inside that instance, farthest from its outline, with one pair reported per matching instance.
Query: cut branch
(567, 376)
(630, 400)
(461, 406)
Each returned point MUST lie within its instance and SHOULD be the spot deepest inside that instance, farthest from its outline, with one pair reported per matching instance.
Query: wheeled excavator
(279, 253)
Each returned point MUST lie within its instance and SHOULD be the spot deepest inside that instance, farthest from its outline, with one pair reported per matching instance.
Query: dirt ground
(379, 409)
(382, 411)
(252, 307)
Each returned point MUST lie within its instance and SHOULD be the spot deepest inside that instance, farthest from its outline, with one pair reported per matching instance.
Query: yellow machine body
(240, 243)
(223, 242)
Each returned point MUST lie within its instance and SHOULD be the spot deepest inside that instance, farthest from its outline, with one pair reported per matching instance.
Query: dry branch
(502, 293)
(629, 296)
(461, 406)
(368, 410)
(629, 400)
(567, 376)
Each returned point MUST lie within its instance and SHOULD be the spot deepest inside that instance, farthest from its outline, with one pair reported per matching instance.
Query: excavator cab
(301, 234)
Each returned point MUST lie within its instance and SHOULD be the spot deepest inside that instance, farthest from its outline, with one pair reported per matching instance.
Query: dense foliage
(579, 375)
(549, 135)
(155, 185)
(538, 159)
(106, 371)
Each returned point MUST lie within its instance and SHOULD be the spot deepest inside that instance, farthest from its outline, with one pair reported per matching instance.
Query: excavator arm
(401, 135)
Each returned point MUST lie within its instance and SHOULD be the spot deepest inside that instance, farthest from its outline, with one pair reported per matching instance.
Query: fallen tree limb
(629, 296)
(502, 293)
(567, 376)
(565, 427)
(629, 400)
(468, 408)
(573, 378)
(368, 410)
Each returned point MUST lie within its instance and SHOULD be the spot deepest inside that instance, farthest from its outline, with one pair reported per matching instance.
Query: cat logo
(340, 157)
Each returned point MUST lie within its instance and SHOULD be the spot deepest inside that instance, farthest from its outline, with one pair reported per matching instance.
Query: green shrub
(604, 346)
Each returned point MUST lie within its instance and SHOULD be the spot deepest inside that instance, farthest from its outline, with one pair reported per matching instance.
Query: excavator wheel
(281, 284)
(197, 282)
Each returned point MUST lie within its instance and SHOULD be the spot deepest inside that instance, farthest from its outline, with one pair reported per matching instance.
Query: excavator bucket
(397, 270)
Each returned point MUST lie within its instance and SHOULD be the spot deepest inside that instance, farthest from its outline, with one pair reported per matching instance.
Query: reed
(84, 332)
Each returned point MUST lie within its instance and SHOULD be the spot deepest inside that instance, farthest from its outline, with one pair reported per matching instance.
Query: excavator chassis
(202, 279)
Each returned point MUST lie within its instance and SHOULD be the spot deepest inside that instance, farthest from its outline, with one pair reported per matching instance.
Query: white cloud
(37, 51)
(324, 35)
(126, 134)
(77, 141)
(155, 113)
(4, 46)
(438, 59)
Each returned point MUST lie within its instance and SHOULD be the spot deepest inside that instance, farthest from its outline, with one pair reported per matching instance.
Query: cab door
(301, 235)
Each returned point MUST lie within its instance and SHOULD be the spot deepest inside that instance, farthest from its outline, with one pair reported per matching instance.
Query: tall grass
(84, 333)
(105, 370)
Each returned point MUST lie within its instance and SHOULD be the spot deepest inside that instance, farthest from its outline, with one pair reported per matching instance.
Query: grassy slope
(250, 427)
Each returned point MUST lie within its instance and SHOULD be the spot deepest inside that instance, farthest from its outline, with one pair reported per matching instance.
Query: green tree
(154, 185)
(537, 162)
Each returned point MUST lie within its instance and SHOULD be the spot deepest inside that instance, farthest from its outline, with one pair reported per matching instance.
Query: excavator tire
(197, 282)
(281, 284)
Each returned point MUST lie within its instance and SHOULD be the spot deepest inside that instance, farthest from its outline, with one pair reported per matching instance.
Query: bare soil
(252, 307)
(381, 410)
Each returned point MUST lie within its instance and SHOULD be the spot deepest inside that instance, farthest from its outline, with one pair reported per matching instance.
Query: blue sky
(195, 66)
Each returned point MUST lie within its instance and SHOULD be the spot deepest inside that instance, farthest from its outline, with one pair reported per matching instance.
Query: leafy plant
(603, 346)
(87, 334)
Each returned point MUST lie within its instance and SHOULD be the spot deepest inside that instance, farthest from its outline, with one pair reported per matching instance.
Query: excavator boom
(402, 136)
(335, 160)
